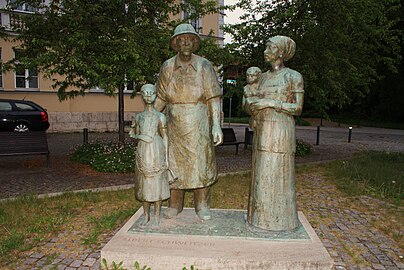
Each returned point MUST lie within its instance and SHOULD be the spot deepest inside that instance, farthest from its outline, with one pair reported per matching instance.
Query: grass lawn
(368, 123)
(87, 220)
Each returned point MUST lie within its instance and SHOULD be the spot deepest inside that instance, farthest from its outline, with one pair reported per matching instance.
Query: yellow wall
(210, 22)
(91, 102)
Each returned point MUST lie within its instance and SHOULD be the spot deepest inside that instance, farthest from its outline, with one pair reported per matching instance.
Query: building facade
(95, 110)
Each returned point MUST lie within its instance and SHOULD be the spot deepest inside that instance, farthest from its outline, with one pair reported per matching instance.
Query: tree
(340, 44)
(99, 43)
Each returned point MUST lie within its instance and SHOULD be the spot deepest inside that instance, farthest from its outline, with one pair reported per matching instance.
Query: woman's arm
(295, 105)
(264, 103)
(163, 134)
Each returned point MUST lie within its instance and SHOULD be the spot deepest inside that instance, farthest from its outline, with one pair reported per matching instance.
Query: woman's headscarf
(285, 44)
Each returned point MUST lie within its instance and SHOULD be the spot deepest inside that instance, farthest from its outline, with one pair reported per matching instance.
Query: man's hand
(217, 135)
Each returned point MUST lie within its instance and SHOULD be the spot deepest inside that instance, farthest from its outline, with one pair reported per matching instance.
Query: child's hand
(144, 138)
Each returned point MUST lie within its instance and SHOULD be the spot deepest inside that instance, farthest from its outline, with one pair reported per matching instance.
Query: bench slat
(229, 138)
(24, 143)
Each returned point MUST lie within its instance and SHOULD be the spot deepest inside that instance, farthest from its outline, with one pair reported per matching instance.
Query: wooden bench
(229, 138)
(24, 143)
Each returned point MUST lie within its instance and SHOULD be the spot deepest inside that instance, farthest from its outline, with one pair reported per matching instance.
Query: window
(25, 78)
(21, 7)
(16, 21)
(129, 86)
(195, 22)
(5, 107)
(24, 107)
(96, 89)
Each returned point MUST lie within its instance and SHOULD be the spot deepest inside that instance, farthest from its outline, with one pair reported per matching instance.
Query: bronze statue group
(176, 150)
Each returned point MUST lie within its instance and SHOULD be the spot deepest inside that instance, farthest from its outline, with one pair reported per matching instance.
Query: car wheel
(21, 127)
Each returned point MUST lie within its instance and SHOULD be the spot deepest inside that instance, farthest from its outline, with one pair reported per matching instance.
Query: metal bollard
(318, 135)
(349, 134)
(85, 135)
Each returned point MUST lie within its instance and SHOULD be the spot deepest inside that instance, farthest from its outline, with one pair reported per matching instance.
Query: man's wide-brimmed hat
(184, 28)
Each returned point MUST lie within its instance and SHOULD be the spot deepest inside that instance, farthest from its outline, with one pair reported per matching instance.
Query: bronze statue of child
(149, 128)
(251, 93)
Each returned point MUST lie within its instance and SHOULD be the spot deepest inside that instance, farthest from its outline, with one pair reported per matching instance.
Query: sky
(231, 17)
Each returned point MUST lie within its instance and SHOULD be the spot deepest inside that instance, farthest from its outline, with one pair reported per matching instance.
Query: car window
(24, 107)
(5, 107)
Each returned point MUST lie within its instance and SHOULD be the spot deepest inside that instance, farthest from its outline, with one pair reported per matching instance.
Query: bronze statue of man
(188, 90)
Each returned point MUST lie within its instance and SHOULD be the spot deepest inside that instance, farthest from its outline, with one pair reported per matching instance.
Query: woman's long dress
(272, 203)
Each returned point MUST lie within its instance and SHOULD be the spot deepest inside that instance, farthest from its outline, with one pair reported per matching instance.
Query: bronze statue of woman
(272, 202)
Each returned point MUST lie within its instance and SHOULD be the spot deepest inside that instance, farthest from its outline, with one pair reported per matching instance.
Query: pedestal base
(225, 242)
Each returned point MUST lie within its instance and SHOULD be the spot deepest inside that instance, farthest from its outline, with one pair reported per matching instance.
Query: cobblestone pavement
(345, 227)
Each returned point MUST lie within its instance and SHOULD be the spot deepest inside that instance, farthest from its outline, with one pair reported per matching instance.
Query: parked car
(22, 116)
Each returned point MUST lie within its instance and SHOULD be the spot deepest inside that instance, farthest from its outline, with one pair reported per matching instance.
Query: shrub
(301, 122)
(107, 157)
(303, 148)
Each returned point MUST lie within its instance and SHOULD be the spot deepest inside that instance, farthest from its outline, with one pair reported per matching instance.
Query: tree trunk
(121, 110)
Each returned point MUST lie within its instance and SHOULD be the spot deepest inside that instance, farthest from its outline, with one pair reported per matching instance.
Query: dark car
(22, 116)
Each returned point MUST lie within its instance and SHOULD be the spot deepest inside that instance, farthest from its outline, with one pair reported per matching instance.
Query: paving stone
(353, 239)
(41, 262)
(387, 263)
(370, 258)
(382, 257)
(399, 264)
(70, 268)
(61, 267)
(378, 266)
(89, 261)
(95, 255)
(83, 256)
(333, 253)
(36, 255)
(57, 260)
(96, 265)
(76, 263)
(392, 268)
(83, 268)
(376, 251)
(67, 261)
(30, 261)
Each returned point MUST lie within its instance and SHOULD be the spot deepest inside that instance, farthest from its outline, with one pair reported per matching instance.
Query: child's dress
(151, 175)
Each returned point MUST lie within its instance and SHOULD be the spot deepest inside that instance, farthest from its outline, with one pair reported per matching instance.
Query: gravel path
(29, 174)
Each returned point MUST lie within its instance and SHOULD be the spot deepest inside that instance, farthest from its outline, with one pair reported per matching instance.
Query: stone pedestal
(225, 242)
